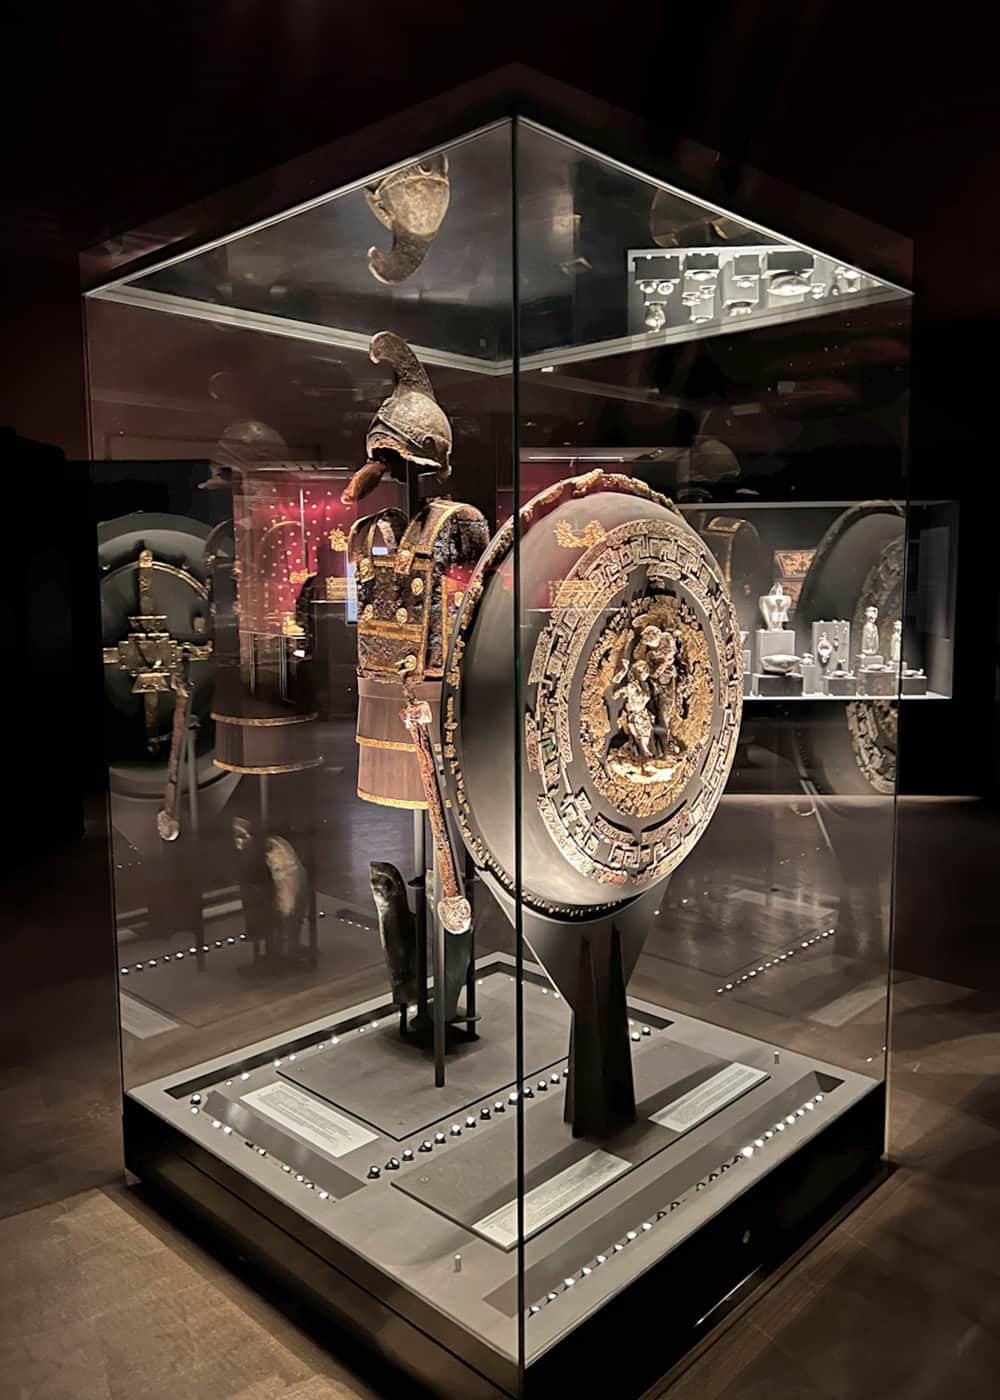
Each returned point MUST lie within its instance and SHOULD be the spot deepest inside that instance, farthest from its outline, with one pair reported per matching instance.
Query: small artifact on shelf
(841, 682)
(779, 663)
(896, 642)
(913, 682)
(411, 204)
(870, 655)
(811, 674)
(774, 608)
(775, 639)
(831, 640)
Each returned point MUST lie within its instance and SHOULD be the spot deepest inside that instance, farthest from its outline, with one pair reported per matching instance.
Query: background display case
(488, 554)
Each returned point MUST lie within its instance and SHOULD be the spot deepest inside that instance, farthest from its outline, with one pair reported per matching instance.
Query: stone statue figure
(774, 608)
(869, 633)
(896, 642)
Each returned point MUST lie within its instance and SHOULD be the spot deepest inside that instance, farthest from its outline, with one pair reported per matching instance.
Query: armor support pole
(420, 908)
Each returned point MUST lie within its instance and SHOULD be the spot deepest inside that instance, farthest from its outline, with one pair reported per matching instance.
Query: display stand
(428, 926)
(590, 963)
(420, 917)
(191, 771)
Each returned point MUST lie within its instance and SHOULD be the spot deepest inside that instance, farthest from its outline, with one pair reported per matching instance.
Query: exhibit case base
(326, 1157)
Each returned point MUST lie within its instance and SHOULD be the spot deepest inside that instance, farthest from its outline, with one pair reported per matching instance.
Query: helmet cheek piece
(430, 453)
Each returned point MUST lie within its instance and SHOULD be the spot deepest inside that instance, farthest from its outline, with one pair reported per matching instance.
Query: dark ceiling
(115, 115)
(119, 113)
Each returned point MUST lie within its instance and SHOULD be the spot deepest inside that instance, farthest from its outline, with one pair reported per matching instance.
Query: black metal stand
(600, 1095)
(191, 764)
(470, 978)
(427, 923)
(420, 909)
(439, 957)
(591, 962)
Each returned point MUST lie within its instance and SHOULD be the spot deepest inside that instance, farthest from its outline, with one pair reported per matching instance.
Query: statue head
(871, 614)
(651, 635)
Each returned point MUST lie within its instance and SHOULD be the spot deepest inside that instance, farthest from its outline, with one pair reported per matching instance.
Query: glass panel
(430, 227)
(666, 268)
(712, 567)
(278, 614)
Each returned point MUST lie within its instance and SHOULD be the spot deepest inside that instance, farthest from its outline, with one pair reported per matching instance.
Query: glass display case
(509, 590)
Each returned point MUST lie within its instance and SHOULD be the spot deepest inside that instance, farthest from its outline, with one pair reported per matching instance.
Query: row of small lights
(407, 1155)
(165, 958)
(321, 1193)
(773, 962)
(456, 1130)
(744, 1154)
(427, 1145)
(219, 943)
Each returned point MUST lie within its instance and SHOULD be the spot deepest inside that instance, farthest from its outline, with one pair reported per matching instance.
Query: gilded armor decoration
(571, 539)
(408, 597)
(645, 712)
(646, 705)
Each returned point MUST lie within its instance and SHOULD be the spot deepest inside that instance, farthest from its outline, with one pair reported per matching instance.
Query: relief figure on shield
(653, 683)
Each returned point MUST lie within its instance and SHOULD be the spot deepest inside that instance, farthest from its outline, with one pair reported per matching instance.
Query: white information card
(560, 1193)
(715, 1093)
(324, 1127)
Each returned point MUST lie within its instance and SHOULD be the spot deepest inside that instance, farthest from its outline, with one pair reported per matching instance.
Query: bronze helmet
(411, 203)
(242, 445)
(410, 421)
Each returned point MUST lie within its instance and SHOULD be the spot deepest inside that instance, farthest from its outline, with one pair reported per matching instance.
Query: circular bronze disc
(873, 724)
(631, 694)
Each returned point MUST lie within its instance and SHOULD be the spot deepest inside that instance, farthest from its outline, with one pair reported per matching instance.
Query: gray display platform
(389, 1082)
(774, 643)
(432, 1231)
(473, 1186)
(884, 682)
(774, 687)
